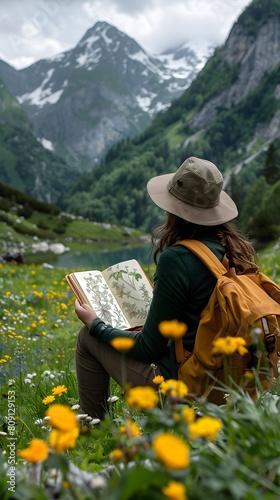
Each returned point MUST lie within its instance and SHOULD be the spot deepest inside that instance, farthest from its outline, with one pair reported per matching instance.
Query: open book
(120, 295)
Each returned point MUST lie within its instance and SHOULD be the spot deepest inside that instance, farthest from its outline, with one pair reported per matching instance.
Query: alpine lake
(93, 258)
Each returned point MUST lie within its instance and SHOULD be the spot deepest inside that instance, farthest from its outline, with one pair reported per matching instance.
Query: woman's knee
(82, 337)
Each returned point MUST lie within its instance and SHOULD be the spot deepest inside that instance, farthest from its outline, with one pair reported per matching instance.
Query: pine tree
(271, 169)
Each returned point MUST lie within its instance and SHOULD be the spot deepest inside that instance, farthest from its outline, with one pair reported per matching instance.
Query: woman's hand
(85, 313)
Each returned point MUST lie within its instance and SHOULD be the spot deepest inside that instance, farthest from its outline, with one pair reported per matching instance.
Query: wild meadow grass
(234, 455)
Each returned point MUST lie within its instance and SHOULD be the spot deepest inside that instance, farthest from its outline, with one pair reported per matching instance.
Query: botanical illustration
(132, 290)
(103, 301)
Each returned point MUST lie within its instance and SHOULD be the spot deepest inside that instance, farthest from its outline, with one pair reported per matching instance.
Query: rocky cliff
(251, 56)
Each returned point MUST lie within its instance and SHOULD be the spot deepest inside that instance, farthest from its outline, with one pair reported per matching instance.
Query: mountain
(104, 90)
(230, 114)
(25, 164)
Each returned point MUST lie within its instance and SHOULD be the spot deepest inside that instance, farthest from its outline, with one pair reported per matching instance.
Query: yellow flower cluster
(131, 429)
(48, 399)
(63, 435)
(56, 391)
(39, 295)
(142, 398)
(59, 390)
(172, 451)
(158, 379)
(205, 427)
(65, 427)
(36, 452)
(173, 387)
(172, 329)
(116, 455)
(175, 491)
(188, 415)
(229, 345)
(5, 359)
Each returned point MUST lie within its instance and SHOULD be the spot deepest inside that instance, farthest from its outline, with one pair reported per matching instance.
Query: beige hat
(194, 193)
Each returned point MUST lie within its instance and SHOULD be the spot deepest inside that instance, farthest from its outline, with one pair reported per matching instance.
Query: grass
(270, 260)
(37, 347)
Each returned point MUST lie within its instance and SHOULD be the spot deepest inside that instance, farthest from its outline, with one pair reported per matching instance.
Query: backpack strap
(206, 256)
(214, 265)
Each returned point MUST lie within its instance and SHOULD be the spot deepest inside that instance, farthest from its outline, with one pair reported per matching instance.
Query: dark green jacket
(182, 288)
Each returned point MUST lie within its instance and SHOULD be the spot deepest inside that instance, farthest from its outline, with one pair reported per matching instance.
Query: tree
(271, 169)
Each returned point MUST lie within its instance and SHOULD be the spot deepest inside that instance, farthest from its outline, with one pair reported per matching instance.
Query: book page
(90, 287)
(132, 289)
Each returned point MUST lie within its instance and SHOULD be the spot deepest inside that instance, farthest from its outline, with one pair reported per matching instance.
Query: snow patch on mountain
(43, 94)
(88, 57)
(145, 99)
(46, 144)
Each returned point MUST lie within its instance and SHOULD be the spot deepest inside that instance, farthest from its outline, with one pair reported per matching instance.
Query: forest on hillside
(115, 190)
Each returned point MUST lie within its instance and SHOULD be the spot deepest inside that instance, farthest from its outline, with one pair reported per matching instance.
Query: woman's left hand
(85, 313)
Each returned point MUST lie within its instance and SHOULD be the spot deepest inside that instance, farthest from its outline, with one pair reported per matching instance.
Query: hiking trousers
(96, 363)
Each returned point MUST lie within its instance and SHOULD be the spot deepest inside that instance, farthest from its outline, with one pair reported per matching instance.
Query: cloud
(35, 29)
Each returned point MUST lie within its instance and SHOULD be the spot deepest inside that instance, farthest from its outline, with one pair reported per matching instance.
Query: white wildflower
(39, 421)
(82, 416)
(75, 407)
(95, 421)
(112, 399)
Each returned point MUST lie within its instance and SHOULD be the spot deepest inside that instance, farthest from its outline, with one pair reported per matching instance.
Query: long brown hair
(240, 251)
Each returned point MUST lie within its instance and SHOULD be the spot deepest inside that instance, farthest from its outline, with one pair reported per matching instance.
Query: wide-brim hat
(194, 193)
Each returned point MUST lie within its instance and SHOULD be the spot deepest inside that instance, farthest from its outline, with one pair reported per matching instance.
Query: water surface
(100, 259)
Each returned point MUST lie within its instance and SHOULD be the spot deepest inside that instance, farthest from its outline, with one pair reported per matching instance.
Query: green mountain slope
(24, 163)
(230, 115)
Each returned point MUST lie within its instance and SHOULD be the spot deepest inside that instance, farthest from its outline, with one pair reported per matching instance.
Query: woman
(196, 208)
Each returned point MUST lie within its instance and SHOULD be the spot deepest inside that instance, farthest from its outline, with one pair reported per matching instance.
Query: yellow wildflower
(248, 375)
(36, 452)
(205, 427)
(229, 345)
(116, 455)
(175, 491)
(240, 345)
(62, 417)
(59, 390)
(48, 399)
(174, 388)
(61, 441)
(158, 379)
(172, 451)
(122, 344)
(130, 428)
(172, 329)
(188, 415)
(142, 398)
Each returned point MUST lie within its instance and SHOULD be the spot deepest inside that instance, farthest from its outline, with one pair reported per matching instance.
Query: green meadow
(236, 456)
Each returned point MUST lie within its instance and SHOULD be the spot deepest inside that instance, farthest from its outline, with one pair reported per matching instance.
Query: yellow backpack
(239, 305)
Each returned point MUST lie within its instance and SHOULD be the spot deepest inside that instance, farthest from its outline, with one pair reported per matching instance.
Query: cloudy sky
(37, 29)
